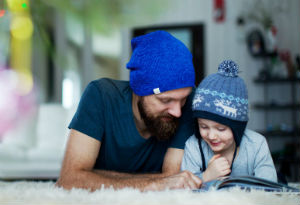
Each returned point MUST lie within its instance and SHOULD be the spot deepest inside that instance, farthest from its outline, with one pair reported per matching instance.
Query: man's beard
(162, 130)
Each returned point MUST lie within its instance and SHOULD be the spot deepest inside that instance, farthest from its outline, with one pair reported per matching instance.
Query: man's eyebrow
(165, 98)
(161, 97)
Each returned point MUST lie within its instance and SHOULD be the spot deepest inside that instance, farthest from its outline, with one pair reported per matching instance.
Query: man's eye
(165, 100)
(221, 129)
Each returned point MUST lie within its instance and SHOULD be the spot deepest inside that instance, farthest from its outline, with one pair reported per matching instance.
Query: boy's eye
(221, 128)
(203, 126)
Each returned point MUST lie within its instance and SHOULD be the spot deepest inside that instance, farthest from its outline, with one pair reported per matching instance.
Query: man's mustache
(171, 117)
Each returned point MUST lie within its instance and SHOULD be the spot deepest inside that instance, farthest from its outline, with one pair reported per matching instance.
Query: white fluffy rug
(46, 193)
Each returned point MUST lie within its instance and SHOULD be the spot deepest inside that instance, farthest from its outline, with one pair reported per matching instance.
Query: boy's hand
(217, 167)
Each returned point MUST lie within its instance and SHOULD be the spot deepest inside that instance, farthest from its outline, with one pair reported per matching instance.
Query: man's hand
(183, 180)
(217, 167)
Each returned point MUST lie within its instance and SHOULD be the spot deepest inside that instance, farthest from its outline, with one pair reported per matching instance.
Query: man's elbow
(64, 182)
(69, 179)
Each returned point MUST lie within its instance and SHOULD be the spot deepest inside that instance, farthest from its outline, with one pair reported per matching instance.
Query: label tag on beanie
(156, 90)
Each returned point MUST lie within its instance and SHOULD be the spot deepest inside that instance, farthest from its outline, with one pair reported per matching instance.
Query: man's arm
(172, 161)
(80, 157)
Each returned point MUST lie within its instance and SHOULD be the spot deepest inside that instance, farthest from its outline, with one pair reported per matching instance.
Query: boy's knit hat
(159, 63)
(223, 97)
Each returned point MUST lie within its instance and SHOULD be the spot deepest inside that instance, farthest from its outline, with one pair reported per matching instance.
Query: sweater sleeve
(191, 160)
(263, 163)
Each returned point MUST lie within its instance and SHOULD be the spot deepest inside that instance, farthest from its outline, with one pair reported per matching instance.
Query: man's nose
(175, 109)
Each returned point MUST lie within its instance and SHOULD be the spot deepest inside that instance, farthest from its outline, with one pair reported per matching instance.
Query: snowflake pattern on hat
(223, 93)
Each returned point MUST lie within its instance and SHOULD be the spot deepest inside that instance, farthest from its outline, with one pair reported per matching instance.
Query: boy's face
(219, 137)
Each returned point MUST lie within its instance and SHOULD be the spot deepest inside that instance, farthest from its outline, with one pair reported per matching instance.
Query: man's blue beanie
(159, 63)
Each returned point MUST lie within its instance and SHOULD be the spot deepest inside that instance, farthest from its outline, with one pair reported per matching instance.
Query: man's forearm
(123, 175)
(97, 179)
(101, 178)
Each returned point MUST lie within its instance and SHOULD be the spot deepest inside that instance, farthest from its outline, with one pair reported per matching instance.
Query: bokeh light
(21, 27)
(24, 5)
(2, 12)
(17, 5)
(14, 105)
(27, 83)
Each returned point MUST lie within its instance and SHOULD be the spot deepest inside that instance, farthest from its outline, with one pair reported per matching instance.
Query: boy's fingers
(227, 171)
(215, 157)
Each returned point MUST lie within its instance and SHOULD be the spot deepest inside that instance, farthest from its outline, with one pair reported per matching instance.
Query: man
(133, 134)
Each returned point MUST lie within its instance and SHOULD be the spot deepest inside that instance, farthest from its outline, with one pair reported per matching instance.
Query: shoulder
(191, 141)
(108, 87)
(107, 84)
(253, 138)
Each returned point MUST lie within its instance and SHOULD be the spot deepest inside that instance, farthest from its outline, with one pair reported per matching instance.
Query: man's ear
(135, 98)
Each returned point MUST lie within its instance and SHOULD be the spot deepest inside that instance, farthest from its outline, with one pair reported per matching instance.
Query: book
(246, 183)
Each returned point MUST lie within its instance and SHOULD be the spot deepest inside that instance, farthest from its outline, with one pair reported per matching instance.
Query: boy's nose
(212, 135)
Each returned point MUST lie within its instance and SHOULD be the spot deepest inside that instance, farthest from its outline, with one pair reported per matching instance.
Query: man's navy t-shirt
(105, 113)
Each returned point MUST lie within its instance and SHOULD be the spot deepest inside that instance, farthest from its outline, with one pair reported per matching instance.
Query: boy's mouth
(215, 144)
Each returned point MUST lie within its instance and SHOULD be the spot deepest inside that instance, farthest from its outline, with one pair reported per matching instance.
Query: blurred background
(50, 50)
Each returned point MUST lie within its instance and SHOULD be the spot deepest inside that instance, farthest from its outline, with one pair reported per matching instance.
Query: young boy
(221, 145)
